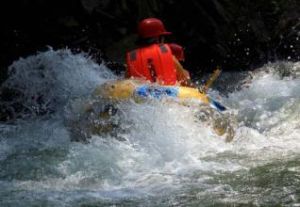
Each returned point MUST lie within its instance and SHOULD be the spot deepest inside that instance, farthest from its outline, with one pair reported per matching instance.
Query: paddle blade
(217, 105)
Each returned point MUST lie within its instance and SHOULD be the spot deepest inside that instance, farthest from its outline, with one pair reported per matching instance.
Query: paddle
(208, 84)
(211, 79)
(217, 105)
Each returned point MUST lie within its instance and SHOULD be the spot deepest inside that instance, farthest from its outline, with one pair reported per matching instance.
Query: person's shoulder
(177, 51)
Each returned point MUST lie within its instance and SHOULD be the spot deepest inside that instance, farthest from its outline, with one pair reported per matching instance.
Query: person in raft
(154, 60)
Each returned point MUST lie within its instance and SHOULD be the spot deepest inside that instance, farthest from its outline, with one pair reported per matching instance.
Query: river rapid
(162, 155)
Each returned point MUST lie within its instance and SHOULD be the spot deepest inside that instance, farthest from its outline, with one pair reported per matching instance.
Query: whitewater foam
(165, 148)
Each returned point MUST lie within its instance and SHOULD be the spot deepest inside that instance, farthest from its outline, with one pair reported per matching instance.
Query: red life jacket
(154, 63)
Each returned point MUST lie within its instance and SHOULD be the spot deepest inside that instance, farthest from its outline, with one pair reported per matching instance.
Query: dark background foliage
(234, 34)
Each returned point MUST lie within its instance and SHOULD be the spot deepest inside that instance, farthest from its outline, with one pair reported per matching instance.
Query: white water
(166, 149)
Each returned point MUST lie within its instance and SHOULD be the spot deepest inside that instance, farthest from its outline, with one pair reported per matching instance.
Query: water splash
(166, 157)
(45, 82)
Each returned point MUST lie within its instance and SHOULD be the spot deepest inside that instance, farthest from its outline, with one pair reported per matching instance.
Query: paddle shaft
(211, 79)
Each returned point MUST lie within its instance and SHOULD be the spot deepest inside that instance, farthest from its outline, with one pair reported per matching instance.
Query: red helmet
(177, 51)
(151, 27)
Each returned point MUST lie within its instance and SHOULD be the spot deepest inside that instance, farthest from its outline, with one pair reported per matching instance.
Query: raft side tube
(126, 89)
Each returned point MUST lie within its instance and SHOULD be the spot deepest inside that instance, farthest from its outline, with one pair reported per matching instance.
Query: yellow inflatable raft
(98, 118)
(136, 89)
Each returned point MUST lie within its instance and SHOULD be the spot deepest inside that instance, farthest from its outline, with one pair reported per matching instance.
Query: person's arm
(183, 76)
(126, 71)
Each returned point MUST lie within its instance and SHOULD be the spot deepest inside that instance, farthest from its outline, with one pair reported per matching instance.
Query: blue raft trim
(157, 92)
